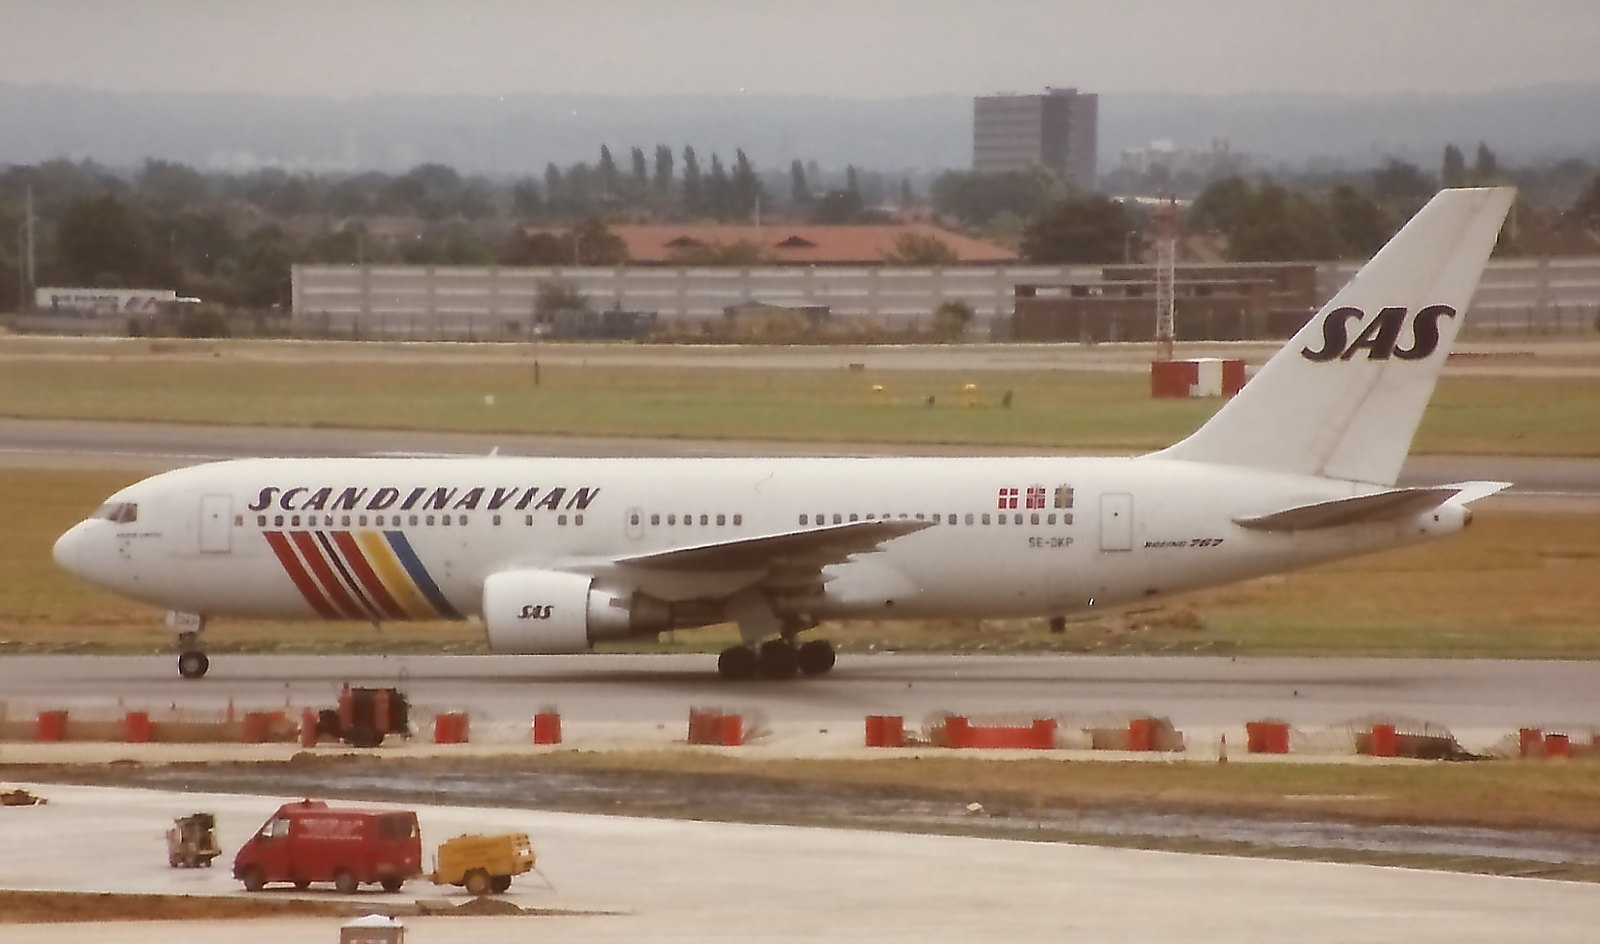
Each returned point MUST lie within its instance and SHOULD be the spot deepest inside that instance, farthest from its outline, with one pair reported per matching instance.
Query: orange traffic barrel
(1529, 742)
(547, 728)
(257, 727)
(52, 726)
(1141, 734)
(1383, 741)
(730, 730)
(136, 727)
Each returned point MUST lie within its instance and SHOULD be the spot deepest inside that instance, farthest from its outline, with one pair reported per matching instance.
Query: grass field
(1057, 409)
(1516, 584)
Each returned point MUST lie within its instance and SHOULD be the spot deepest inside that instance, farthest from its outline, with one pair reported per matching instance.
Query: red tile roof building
(797, 243)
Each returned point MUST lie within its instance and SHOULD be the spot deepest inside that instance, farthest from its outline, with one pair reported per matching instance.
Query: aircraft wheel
(816, 657)
(193, 664)
(778, 659)
(736, 663)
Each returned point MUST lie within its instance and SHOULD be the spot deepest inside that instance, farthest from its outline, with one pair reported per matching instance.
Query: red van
(308, 842)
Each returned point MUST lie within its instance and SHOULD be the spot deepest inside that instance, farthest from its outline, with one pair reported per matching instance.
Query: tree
(693, 195)
(1085, 228)
(100, 242)
(1402, 185)
(799, 193)
(553, 295)
(952, 319)
(663, 176)
(1586, 209)
(641, 170)
(1222, 206)
(594, 244)
(1485, 167)
(838, 206)
(608, 174)
(920, 249)
(537, 248)
(976, 199)
(1361, 224)
(1453, 169)
(526, 200)
(745, 188)
(719, 192)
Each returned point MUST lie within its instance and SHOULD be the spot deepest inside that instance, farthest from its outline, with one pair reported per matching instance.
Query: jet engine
(536, 612)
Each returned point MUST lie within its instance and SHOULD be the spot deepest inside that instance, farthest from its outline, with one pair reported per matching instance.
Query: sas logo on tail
(1381, 337)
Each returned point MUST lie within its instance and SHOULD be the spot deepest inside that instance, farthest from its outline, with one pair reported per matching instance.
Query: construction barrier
(1530, 741)
(960, 732)
(451, 728)
(886, 731)
(547, 727)
(1557, 745)
(51, 726)
(308, 728)
(1267, 737)
(136, 727)
(1383, 742)
(713, 726)
(257, 727)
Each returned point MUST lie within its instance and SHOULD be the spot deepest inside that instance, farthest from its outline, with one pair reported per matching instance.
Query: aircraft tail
(1343, 398)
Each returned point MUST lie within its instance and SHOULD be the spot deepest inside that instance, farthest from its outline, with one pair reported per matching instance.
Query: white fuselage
(389, 539)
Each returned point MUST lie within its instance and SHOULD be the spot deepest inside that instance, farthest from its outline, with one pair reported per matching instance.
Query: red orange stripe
(330, 582)
(302, 580)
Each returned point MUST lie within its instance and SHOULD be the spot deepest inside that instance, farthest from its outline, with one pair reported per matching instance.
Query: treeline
(231, 238)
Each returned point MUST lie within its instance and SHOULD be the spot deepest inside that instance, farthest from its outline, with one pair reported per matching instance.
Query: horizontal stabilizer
(1363, 509)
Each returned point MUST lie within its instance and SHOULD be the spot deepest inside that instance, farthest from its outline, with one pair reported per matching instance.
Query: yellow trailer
(482, 864)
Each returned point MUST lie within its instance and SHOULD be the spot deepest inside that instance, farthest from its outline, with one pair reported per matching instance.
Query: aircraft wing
(1378, 506)
(810, 548)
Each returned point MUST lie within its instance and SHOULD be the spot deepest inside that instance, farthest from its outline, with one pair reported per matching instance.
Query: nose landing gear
(192, 661)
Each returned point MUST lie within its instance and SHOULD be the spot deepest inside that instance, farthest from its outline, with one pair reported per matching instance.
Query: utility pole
(26, 279)
(1166, 266)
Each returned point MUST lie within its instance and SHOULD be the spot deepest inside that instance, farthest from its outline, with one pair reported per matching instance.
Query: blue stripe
(419, 574)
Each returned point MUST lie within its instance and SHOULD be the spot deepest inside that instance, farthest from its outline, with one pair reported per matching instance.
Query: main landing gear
(776, 659)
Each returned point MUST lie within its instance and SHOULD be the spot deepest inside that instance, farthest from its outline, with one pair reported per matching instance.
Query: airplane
(554, 555)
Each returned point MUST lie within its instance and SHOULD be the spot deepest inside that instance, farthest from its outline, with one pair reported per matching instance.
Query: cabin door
(216, 524)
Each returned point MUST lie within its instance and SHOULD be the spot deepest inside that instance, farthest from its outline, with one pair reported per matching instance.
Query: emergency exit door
(1116, 522)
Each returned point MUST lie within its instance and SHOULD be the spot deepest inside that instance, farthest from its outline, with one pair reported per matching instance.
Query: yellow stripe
(394, 576)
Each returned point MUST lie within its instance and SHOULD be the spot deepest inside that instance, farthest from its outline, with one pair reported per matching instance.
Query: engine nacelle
(535, 612)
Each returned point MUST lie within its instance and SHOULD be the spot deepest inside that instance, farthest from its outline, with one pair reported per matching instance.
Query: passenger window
(362, 521)
(705, 519)
(738, 520)
(527, 520)
(633, 518)
(1051, 519)
(805, 519)
(855, 517)
(722, 520)
(986, 518)
(672, 519)
(577, 520)
(950, 520)
(495, 521)
(969, 517)
(413, 521)
(1036, 517)
(429, 521)
(294, 522)
(561, 519)
(261, 521)
(655, 520)
(919, 517)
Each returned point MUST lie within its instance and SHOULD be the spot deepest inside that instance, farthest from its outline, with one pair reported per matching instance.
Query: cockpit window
(119, 512)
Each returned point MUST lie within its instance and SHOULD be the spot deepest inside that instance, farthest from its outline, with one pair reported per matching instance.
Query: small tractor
(192, 841)
(483, 864)
(365, 716)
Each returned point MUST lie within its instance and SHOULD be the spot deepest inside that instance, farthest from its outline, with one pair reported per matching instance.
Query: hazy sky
(856, 48)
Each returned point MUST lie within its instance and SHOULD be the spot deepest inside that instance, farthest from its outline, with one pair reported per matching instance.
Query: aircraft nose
(69, 549)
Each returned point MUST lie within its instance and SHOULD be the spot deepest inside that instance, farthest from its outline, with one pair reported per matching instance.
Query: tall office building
(1058, 129)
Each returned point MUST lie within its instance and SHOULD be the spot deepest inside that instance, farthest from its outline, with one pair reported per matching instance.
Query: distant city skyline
(864, 49)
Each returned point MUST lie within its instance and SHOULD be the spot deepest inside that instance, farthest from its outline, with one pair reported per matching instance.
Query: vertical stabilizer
(1343, 398)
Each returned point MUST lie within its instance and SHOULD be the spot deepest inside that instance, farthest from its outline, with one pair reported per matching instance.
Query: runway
(645, 699)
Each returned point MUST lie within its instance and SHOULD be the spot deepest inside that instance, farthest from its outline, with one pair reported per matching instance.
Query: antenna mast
(1166, 265)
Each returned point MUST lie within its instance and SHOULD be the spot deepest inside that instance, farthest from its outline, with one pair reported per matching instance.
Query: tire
(816, 657)
(777, 660)
(737, 663)
(392, 884)
(477, 882)
(344, 882)
(174, 861)
(363, 735)
(254, 879)
(500, 883)
(301, 884)
(193, 664)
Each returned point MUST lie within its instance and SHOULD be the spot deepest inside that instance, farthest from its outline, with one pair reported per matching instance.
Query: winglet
(1343, 398)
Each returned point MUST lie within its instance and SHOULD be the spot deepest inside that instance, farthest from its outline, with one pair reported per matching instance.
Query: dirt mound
(42, 907)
